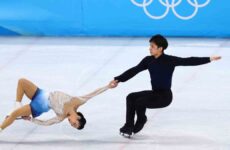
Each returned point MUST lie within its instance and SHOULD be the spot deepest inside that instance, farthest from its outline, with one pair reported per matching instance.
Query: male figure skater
(161, 67)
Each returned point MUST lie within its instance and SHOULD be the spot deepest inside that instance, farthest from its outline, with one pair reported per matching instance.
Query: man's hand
(113, 84)
(214, 58)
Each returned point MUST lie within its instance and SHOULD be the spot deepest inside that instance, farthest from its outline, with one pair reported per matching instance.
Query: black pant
(139, 101)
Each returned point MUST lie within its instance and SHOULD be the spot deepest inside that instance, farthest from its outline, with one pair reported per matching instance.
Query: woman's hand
(113, 84)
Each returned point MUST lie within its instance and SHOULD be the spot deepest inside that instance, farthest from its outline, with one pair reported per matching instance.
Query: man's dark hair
(159, 40)
(82, 121)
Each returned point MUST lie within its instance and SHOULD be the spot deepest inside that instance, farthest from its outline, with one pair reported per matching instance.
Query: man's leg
(152, 99)
(130, 111)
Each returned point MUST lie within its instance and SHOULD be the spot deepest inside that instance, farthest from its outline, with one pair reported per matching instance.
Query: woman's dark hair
(159, 40)
(82, 121)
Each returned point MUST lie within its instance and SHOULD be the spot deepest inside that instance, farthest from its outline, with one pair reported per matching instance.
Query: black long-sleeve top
(161, 69)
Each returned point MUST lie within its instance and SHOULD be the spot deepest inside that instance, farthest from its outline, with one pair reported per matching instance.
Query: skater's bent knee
(21, 81)
(130, 96)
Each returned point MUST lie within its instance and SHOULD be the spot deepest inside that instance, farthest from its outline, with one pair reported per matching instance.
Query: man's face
(154, 49)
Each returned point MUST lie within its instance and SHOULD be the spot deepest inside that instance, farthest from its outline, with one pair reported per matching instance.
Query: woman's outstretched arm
(96, 92)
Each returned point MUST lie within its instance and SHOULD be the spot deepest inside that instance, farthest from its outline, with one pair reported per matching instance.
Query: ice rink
(197, 119)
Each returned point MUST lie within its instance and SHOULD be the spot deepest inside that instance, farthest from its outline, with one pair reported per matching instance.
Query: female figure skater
(161, 67)
(64, 105)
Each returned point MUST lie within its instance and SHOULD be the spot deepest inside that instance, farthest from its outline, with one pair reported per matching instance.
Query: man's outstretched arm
(193, 61)
(143, 65)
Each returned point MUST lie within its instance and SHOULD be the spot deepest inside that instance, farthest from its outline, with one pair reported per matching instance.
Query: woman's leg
(23, 111)
(25, 87)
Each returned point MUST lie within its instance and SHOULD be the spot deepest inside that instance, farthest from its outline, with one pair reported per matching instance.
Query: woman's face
(74, 120)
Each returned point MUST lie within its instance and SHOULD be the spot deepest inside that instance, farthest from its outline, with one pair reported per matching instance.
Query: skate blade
(126, 135)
